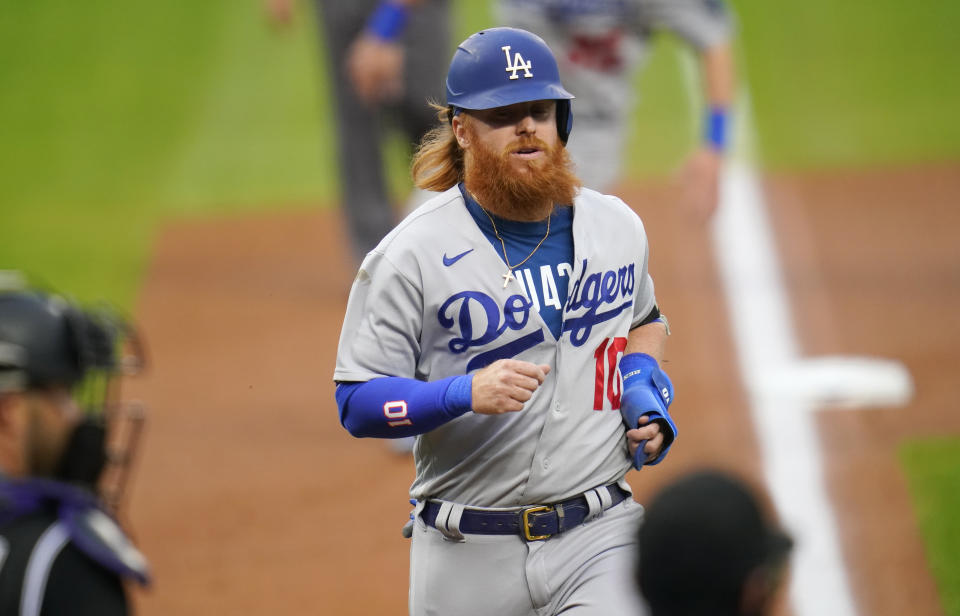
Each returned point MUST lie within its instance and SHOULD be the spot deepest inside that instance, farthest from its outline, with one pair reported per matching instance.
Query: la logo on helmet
(516, 64)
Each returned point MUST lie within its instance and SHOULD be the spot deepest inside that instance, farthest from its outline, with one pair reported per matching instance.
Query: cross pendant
(507, 278)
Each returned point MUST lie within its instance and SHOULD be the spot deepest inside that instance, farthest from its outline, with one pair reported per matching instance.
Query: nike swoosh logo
(448, 261)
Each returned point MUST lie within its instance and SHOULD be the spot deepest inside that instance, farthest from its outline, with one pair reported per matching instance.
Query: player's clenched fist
(504, 385)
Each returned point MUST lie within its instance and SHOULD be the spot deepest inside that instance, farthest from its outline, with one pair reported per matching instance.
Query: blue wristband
(388, 21)
(459, 396)
(715, 131)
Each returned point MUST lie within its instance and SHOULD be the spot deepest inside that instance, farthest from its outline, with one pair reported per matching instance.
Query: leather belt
(533, 523)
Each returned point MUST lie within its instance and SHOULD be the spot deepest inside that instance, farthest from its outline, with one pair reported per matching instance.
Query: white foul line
(766, 347)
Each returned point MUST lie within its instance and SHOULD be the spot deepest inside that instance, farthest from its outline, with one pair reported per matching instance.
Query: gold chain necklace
(509, 275)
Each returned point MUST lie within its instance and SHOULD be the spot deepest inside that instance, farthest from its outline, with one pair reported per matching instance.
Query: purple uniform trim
(92, 530)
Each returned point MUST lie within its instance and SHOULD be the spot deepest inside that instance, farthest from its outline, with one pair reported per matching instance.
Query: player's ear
(459, 126)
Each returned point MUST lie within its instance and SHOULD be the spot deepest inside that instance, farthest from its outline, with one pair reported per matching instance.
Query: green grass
(113, 102)
(852, 83)
(933, 469)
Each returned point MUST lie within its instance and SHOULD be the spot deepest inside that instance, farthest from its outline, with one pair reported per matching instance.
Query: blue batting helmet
(503, 66)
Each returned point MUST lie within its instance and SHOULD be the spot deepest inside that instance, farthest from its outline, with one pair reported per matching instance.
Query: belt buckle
(526, 522)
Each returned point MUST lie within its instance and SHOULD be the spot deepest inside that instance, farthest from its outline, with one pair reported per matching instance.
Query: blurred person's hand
(700, 183)
(375, 68)
(279, 12)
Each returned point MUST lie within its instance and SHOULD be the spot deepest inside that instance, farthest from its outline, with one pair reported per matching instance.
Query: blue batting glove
(647, 392)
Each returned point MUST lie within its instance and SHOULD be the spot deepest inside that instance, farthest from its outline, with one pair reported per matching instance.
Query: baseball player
(600, 45)
(61, 552)
(510, 322)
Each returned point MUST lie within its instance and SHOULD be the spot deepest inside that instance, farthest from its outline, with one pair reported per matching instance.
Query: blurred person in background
(61, 548)
(386, 59)
(600, 45)
(707, 549)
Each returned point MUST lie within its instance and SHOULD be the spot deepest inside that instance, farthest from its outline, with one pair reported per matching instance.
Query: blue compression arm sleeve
(394, 407)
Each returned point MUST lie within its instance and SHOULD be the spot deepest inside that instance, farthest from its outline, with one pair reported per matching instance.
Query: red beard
(520, 189)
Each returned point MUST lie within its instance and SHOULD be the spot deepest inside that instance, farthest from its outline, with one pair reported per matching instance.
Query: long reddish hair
(438, 162)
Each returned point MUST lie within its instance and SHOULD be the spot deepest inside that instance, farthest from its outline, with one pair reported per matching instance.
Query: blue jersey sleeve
(394, 407)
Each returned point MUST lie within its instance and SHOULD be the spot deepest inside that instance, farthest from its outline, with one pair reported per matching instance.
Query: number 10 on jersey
(607, 383)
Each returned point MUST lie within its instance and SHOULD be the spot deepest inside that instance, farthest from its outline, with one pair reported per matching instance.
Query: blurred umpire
(61, 549)
(387, 59)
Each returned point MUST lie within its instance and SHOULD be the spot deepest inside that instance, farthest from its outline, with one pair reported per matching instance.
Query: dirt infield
(250, 498)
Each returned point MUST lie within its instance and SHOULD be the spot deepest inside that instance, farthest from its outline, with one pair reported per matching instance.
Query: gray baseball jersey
(415, 312)
(599, 45)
